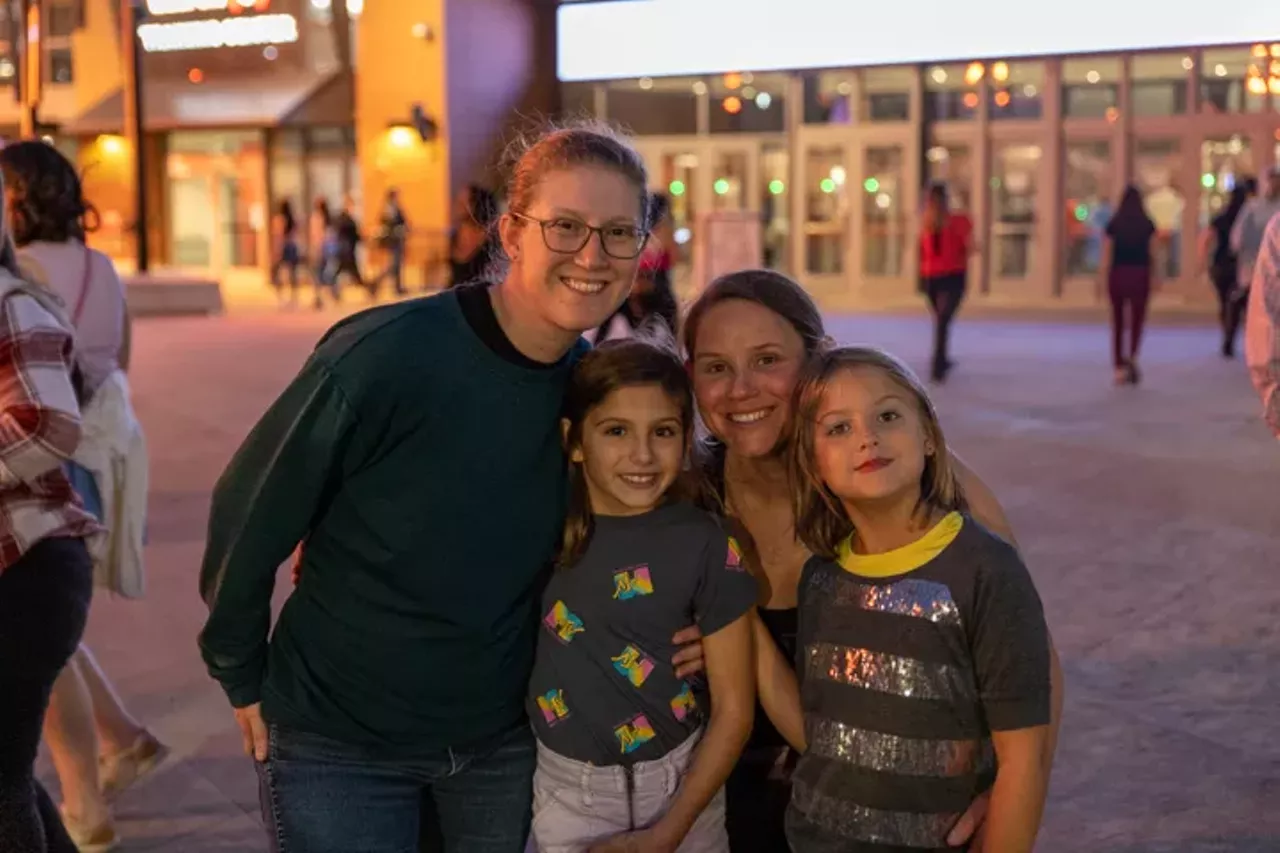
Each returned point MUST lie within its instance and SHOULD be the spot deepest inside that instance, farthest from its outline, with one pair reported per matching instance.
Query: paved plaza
(1149, 517)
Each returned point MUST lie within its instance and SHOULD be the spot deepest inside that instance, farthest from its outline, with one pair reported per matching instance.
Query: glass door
(887, 205)
(1158, 174)
(825, 210)
(676, 170)
(1014, 192)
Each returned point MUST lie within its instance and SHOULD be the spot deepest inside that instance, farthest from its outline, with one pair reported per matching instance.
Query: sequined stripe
(886, 673)
(908, 597)
(853, 822)
(902, 756)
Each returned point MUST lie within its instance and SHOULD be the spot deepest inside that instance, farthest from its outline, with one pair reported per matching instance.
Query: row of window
(59, 67)
(1226, 80)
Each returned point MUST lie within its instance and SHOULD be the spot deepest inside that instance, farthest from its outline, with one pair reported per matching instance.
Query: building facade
(248, 103)
(829, 127)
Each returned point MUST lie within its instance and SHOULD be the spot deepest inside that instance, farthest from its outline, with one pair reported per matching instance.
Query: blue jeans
(323, 796)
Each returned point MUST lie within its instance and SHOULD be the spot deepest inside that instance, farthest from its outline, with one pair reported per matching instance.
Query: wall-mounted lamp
(402, 132)
(422, 30)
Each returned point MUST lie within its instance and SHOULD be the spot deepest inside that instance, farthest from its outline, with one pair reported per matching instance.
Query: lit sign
(672, 37)
(224, 32)
(187, 7)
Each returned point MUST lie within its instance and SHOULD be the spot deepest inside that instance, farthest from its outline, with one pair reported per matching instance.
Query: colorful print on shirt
(684, 703)
(553, 707)
(733, 562)
(634, 733)
(633, 665)
(629, 583)
(563, 623)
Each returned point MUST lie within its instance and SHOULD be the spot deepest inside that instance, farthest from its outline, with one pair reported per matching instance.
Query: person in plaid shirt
(1262, 332)
(46, 577)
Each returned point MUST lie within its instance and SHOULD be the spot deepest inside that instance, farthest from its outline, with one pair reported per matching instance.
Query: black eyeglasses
(569, 236)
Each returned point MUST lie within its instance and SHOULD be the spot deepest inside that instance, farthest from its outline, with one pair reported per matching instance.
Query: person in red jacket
(946, 241)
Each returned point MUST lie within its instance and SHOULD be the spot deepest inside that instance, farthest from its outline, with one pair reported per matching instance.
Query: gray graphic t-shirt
(603, 689)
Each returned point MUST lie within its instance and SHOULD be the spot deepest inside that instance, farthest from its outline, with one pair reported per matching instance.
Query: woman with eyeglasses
(419, 456)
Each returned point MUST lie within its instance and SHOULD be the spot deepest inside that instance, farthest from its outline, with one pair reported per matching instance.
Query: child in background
(627, 759)
(923, 651)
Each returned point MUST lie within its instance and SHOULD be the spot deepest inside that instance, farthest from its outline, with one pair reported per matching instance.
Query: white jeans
(576, 805)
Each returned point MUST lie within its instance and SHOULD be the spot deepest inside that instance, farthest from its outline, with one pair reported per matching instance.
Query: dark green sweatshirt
(426, 476)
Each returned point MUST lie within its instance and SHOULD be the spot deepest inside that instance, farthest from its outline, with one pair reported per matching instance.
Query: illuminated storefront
(246, 103)
(829, 126)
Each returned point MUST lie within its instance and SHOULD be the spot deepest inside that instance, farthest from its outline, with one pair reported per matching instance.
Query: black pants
(1231, 305)
(44, 601)
(756, 799)
(945, 293)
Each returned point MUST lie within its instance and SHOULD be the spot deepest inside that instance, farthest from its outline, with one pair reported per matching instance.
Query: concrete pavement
(1149, 517)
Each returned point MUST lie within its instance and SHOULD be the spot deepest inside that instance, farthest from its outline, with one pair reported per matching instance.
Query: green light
(827, 185)
(777, 187)
(721, 187)
(1082, 212)
(871, 185)
(1207, 181)
(676, 187)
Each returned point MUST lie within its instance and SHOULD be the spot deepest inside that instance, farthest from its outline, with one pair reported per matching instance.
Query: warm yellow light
(401, 137)
(1275, 85)
(1000, 71)
(1259, 50)
(1257, 86)
(973, 74)
(112, 145)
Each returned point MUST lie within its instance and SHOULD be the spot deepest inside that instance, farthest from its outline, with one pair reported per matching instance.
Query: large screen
(658, 38)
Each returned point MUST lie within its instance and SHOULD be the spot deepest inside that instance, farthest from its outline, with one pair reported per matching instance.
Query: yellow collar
(902, 560)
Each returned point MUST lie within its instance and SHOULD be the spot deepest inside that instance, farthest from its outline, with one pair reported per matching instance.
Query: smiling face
(746, 362)
(870, 443)
(631, 450)
(563, 269)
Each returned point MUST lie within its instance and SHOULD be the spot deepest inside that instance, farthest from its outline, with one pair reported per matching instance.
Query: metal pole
(133, 125)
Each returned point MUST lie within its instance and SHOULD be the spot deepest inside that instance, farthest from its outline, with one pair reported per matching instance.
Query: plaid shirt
(1262, 330)
(39, 424)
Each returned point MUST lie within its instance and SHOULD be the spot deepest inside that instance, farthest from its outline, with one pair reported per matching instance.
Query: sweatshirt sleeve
(263, 505)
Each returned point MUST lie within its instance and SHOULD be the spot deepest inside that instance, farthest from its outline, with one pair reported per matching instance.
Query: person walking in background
(946, 241)
(1246, 234)
(46, 574)
(1217, 256)
(346, 234)
(321, 250)
(1130, 277)
(393, 237)
(285, 254)
(98, 747)
(472, 243)
(1262, 332)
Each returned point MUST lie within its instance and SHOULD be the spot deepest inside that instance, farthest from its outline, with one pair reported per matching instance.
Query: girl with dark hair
(627, 754)
(472, 250)
(98, 747)
(284, 237)
(946, 241)
(46, 574)
(1130, 280)
(748, 336)
(1217, 256)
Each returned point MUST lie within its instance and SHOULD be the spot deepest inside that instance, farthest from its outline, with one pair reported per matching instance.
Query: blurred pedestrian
(46, 574)
(285, 254)
(98, 747)
(1222, 264)
(946, 241)
(1130, 276)
(1262, 334)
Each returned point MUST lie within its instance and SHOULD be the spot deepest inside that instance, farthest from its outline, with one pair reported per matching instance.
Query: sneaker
(90, 839)
(119, 770)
